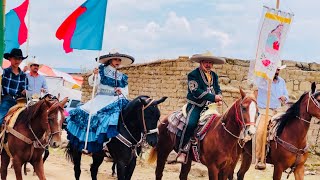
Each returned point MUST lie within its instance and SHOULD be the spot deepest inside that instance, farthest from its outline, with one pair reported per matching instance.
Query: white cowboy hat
(125, 59)
(208, 56)
(34, 61)
(280, 66)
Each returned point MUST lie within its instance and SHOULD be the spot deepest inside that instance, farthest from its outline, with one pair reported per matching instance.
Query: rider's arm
(91, 80)
(193, 86)
(44, 84)
(216, 85)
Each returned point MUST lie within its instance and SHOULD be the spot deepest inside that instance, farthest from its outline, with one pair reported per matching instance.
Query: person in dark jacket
(203, 88)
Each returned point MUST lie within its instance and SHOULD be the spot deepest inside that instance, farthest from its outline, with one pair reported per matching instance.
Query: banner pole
(90, 114)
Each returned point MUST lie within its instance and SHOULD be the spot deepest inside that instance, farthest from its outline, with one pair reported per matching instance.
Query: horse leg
(121, 170)
(77, 163)
(299, 172)
(130, 168)
(114, 169)
(38, 168)
(245, 165)
(213, 172)
(46, 154)
(17, 165)
(185, 168)
(277, 172)
(97, 159)
(5, 160)
(162, 156)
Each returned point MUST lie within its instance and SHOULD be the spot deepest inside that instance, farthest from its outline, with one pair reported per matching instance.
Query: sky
(166, 29)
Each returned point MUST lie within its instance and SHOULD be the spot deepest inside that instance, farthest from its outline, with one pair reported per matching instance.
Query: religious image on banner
(272, 34)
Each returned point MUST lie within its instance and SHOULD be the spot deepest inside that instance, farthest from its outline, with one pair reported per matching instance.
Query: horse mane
(31, 112)
(291, 113)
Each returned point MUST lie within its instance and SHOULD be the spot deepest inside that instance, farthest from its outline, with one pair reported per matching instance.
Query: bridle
(241, 121)
(315, 102)
(143, 136)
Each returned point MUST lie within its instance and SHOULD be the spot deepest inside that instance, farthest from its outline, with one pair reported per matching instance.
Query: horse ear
(63, 102)
(161, 100)
(243, 94)
(313, 88)
(58, 96)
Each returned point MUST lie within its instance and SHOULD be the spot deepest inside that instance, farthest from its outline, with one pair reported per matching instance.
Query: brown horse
(218, 146)
(27, 140)
(289, 148)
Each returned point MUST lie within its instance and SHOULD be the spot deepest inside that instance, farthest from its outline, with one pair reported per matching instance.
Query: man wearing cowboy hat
(14, 82)
(203, 88)
(37, 83)
(279, 96)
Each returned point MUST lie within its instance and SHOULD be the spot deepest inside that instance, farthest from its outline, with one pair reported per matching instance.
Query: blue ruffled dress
(105, 110)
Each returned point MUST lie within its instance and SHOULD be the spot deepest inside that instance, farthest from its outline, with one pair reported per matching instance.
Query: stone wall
(169, 78)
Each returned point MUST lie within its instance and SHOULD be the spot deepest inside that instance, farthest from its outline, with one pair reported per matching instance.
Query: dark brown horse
(289, 149)
(218, 146)
(27, 140)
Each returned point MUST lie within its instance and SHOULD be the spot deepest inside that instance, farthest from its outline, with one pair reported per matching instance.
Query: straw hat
(34, 61)
(125, 59)
(208, 56)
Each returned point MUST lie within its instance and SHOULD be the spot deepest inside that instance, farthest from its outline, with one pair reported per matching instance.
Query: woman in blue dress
(105, 108)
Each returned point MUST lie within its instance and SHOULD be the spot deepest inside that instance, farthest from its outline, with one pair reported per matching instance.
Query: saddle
(177, 123)
(14, 112)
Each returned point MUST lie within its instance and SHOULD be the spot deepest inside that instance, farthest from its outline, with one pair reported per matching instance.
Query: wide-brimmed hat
(280, 66)
(208, 56)
(17, 53)
(125, 59)
(34, 61)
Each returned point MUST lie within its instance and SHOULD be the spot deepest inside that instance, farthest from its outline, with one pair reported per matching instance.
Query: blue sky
(161, 29)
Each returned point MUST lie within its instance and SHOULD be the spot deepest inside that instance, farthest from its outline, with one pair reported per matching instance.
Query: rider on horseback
(203, 88)
(14, 82)
(112, 89)
(279, 96)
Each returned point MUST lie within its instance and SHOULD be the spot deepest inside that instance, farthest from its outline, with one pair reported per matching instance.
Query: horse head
(55, 119)
(248, 113)
(147, 115)
(151, 115)
(313, 102)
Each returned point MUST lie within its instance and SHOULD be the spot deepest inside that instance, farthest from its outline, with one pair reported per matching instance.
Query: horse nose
(55, 144)
(251, 130)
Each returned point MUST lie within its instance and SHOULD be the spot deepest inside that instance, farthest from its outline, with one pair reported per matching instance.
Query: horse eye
(243, 108)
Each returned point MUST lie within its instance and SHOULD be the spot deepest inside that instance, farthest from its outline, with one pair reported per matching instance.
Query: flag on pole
(83, 29)
(16, 31)
(272, 34)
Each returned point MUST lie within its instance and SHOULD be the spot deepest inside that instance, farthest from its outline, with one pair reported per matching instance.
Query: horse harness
(143, 136)
(35, 143)
(292, 148)
(241, 140)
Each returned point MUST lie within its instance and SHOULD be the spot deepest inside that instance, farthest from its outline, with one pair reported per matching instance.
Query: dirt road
(58, 168)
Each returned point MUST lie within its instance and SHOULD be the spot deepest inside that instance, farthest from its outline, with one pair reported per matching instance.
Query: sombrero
(125, 59)
(208, 56)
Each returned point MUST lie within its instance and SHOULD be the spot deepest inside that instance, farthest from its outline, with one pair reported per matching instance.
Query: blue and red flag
(16, 31)
(83, 29)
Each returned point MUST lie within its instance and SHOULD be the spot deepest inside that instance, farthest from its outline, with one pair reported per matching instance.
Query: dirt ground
(57, 167)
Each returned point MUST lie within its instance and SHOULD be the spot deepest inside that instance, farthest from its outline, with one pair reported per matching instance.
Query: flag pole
(264, 138)
(2, 45)
(28, 35)
(84, 150)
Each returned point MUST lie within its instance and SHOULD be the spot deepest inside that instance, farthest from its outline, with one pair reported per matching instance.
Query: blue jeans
(6, 103)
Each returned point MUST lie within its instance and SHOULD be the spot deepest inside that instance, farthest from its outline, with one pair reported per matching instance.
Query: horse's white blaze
(252, 114)
(59, 117)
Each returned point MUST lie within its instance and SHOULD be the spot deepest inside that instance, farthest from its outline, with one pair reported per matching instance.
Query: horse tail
(69, 151)
(153, 155)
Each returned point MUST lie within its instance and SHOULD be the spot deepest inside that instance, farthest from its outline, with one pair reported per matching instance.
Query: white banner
(272, 34)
